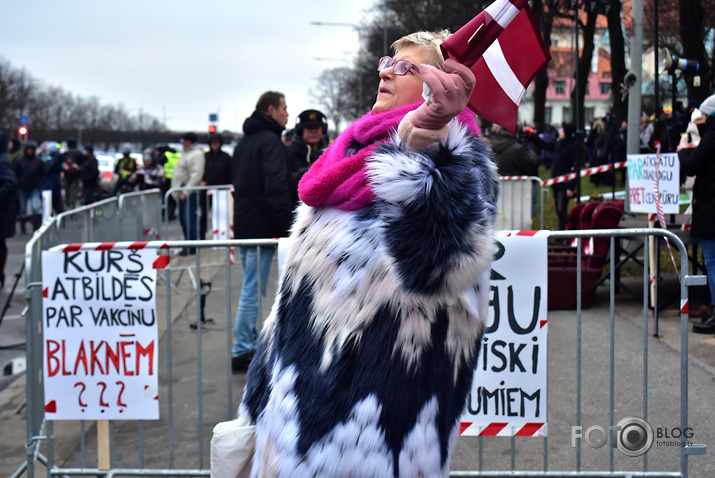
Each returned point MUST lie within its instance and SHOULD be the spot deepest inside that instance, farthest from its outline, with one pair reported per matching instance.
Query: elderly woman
(365, 362)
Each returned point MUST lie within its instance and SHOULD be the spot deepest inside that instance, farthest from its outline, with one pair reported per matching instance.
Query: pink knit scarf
(340, 180)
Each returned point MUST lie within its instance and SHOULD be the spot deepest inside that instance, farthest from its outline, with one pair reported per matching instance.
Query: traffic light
(212, 128)
(22, 132)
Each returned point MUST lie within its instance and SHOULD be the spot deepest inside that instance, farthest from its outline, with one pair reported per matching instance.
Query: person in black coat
(217, 171)
(700, 162)
(72, 162)
(29, 171)
(90, 176)
(53, 178)
(8, 204)
(262, 209)
(309, 142)
(565, 154)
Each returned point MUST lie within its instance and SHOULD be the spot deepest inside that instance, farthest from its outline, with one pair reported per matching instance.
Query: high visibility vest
(171, 160)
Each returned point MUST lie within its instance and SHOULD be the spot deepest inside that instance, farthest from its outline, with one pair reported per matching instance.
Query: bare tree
(545, 20)
(331, 94)
(56, 114)
(618, 60)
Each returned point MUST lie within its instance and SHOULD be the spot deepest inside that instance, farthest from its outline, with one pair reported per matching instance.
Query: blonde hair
(598, 126)
(428, 41)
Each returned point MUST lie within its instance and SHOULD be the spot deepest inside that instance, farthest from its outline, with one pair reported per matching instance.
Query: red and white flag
(504, 49)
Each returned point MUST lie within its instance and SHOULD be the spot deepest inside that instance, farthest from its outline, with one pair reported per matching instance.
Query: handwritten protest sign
(508, 396)
(100, 356)
(641, 175)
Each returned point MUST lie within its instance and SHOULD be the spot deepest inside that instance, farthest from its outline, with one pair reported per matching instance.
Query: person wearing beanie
(124, 168)
(29, 171)
(53, 179)
(309, 142)
(564, 155)
(217, 171)
(72, 162)
(699, 160)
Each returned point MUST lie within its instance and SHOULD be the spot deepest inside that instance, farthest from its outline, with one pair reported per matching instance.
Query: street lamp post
(359, 32)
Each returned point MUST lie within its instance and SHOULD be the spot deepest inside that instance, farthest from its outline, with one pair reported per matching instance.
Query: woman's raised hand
(450, 92)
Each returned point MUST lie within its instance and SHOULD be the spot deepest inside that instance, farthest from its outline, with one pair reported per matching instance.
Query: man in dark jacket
(52, 160)
(125, 167)
(29, 171)
(308, 143)
(564, 162)
(8, 204)
(72, 160)
(217, 170)
(90, 176)
(262, 209)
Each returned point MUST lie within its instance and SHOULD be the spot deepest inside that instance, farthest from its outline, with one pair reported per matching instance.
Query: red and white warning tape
(503, 429)
(160, 263)
(507, 233)
(516, 178)
(105, 246)
(585, 172)
(152, 231)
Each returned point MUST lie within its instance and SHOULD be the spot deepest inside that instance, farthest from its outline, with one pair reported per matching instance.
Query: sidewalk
(191, 442)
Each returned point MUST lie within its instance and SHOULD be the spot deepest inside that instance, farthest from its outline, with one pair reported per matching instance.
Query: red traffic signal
(22, 130)
(212, 128)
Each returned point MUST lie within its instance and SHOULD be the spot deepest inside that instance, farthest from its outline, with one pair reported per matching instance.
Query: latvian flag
(504, 49)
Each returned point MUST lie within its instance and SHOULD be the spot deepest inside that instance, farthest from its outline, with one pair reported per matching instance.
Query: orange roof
(601, 20)
(563, 22)
(563, 66)
(562, 61)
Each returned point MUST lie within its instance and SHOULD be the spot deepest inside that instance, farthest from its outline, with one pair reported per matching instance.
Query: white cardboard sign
(100, 347)
(641, 183)
(508, 396)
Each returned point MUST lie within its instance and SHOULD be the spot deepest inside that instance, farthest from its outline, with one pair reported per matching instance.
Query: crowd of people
(72, 177)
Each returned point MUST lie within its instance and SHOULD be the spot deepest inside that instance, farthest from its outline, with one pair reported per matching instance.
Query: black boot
(708, 324)
(704, 317)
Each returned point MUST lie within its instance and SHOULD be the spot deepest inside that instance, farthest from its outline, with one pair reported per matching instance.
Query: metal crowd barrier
(585, 387)
(188, 190)
(518, 196)
(197, 388)
(145, 207)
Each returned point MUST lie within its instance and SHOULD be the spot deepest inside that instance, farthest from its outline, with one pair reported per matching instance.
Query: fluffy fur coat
(366, 360)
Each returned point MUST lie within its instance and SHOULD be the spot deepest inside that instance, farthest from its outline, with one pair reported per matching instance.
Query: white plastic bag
(232, 447)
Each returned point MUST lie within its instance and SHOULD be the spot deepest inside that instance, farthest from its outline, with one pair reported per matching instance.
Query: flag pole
(577, 108)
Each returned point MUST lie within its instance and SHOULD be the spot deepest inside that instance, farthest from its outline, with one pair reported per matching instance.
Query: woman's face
(396, 91)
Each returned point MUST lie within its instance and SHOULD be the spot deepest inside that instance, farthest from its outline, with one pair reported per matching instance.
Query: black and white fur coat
(365, 362)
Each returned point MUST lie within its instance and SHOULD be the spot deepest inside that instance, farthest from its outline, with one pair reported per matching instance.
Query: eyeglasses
(399, 67)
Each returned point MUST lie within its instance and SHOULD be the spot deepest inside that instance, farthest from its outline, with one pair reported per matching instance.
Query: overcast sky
(179, 60)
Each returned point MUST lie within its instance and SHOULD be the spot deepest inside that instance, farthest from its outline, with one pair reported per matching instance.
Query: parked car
(107, 178)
